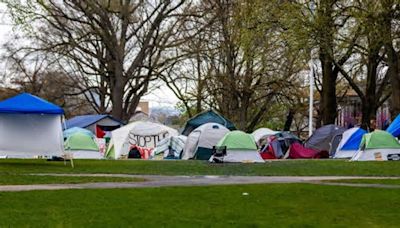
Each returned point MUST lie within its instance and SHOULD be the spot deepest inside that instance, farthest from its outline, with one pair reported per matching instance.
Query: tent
(297, 151)
(97, 124)
(321, 139)
(272, 149)
(394, 127)
(286, 139)
(378, 145)
(240, 147)
(169, 148)
(141, 133)
(74, 130)
(350, 142)
(201, 141)
(30, 127)
(81, 145)
(206, 117)
(262, 132)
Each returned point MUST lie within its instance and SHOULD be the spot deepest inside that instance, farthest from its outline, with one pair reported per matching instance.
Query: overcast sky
(158, 97)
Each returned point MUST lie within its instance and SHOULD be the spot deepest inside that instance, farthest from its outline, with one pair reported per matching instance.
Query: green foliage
(275, 117)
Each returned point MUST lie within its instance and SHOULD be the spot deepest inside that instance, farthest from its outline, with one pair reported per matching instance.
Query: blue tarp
(86, 120)
(207, 117)
(26, 103)
(354, 141)
(394, 127)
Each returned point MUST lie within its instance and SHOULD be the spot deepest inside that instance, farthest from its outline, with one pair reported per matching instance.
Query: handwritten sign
(149, 141)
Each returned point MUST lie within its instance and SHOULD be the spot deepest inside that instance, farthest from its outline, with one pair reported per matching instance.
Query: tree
(236, 62)
(389, 17)
(37, 77)
(319, 26)
(371, 77)
(115, 48)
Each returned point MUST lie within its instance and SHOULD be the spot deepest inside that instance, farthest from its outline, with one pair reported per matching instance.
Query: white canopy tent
(30, 127)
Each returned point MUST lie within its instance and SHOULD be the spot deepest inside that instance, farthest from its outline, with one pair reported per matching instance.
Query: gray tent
(322, 138)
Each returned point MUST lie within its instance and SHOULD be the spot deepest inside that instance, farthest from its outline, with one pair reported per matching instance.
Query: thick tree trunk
(394, 76)
(328, 100)
(368, 114)
(393, 57)
(370, 102)
(289, 120)
(117, 98)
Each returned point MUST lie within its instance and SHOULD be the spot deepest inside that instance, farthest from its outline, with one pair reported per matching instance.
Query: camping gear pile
(208, 136)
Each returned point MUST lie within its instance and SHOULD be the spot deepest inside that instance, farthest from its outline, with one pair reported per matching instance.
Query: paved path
(163, 181)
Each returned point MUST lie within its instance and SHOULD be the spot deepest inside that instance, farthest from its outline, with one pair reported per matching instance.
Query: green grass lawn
(29, 179)
(368, 181)
(275, 205)
(288, 167)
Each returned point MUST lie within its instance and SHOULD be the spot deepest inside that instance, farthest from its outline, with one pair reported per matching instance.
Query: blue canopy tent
(394, 127)
(350, 142)
(207, 117)
(30, 127)
(26, 103)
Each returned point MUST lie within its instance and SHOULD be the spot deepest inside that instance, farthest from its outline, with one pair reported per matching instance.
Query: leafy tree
(115, 48)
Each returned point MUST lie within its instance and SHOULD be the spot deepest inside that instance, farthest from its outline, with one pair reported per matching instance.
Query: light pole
(311, 75)
(311, 99)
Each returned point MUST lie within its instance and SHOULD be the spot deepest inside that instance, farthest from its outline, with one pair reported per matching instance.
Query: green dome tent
(240, 147)
(82, 146)
(377, 145)
(209, 116)
(238, 140)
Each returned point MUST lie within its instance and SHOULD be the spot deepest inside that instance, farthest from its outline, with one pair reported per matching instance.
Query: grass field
(29, 179)
(273, 205)
(277, 205)
(274, 168)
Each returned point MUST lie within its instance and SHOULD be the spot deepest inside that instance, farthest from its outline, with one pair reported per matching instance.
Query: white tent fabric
(205, 136)
(85, 154)
(374, 154)
(261, 132)
(140, 133)
(30, 135)
(243, 156)
(345, 137)
(345, 153)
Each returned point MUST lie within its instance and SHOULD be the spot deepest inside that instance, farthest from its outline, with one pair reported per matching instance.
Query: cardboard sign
(378, 156)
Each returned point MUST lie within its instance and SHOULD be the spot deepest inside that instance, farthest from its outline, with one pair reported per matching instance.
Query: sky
(162, 96)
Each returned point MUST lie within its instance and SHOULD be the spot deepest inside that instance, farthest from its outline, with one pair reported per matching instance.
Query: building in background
(350, 112)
